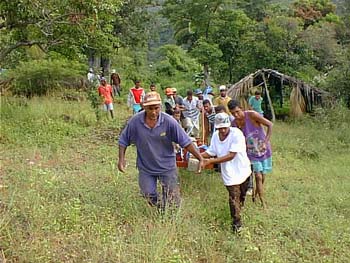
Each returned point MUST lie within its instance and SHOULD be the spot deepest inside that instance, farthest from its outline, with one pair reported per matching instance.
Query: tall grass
(62, 199)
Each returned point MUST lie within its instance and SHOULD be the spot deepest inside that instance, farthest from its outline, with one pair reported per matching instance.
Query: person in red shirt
(135, 97)
(105, 91)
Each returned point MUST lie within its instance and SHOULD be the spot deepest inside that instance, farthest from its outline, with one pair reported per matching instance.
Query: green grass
(62, 199)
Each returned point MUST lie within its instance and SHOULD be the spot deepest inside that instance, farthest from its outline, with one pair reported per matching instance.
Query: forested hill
(173, 42)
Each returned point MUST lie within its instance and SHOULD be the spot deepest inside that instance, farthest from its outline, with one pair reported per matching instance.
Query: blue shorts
(264, 166)
(136, 108)
(108, 106)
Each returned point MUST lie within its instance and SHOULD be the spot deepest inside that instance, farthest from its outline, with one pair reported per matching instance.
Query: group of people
(238, 143)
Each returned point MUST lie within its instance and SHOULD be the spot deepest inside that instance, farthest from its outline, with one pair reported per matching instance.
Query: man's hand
(206, 162)
(121, 165)
(200, 165)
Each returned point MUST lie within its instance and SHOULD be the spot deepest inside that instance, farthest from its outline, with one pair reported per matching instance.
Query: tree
(173, 59)
(233, 32)
(286, 50)
(256, 10)
(207, 54)
(338, 78)
(325, 53)
(131, 23)
(192, 22)
(68, 26)
(312, 11)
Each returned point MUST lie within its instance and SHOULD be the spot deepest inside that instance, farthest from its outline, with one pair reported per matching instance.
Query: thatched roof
(303, 96)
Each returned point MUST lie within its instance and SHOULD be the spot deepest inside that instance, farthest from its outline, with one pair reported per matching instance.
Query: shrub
(37, 77)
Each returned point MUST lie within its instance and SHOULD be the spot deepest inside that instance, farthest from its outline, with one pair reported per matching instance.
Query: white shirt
(91, 77)
(237, 170)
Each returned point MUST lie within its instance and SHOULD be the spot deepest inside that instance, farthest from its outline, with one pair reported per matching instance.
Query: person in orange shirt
(105, 91)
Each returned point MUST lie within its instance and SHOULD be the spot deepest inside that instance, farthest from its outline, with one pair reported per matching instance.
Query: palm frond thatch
(298, 105)
(303, 98)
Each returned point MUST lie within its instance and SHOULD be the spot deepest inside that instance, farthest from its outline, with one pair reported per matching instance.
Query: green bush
(38, 77)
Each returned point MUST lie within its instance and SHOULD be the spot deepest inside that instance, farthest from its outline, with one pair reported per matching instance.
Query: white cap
(222, 120)
(222, 87)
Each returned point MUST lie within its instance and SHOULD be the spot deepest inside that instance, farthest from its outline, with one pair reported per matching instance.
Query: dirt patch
(106, 135)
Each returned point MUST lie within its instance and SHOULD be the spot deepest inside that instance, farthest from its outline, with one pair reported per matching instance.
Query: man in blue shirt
(153, 133)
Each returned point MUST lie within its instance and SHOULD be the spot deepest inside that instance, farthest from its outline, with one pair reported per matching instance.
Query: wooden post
(203, 126)
(269, 99)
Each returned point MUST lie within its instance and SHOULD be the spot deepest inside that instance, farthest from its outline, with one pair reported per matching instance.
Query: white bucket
(192, 165)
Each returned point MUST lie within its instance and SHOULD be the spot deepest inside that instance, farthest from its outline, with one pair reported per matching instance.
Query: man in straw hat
(153, 133)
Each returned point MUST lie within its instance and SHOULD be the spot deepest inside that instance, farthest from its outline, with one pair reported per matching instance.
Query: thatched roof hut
(303, 97)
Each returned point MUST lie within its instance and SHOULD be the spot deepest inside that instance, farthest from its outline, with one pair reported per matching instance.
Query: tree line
(165, 41)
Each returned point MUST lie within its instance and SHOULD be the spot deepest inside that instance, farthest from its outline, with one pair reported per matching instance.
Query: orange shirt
(106, 92)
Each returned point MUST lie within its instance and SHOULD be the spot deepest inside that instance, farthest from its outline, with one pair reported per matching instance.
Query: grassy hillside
(62, 200)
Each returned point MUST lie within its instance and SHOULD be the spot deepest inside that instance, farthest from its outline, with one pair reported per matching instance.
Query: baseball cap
(169, 91)
(222, 87)
(151, 98)
(198, 91)
(222, 120)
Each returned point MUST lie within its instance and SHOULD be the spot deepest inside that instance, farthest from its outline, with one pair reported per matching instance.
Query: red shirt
(137, 94)
(106, 92)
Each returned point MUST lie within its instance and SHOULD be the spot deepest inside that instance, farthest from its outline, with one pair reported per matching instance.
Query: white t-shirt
(237, 170)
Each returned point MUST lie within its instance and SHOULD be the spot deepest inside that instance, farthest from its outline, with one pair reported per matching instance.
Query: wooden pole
(203, 126)
(269, 99)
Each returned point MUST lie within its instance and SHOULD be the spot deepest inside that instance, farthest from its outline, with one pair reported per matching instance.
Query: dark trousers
(170, 188)
(236, 200)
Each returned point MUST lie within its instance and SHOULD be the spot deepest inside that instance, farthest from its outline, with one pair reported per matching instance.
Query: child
(177, 116)
(228, 145)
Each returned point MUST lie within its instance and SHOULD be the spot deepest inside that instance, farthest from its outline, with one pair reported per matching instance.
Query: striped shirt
(191, 107)
(211, 116)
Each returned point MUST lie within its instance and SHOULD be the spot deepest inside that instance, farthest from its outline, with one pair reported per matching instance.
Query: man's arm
(121, 160)
(222, 159)
(261, 120)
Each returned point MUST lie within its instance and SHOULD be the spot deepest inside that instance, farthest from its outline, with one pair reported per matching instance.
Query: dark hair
(220, 108)
(257, 92)
(189, 93)
(176, 112)
(206, 101)
(152, 85)
(233, 104)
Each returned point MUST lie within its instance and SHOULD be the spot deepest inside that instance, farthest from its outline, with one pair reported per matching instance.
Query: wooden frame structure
(303, 96)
